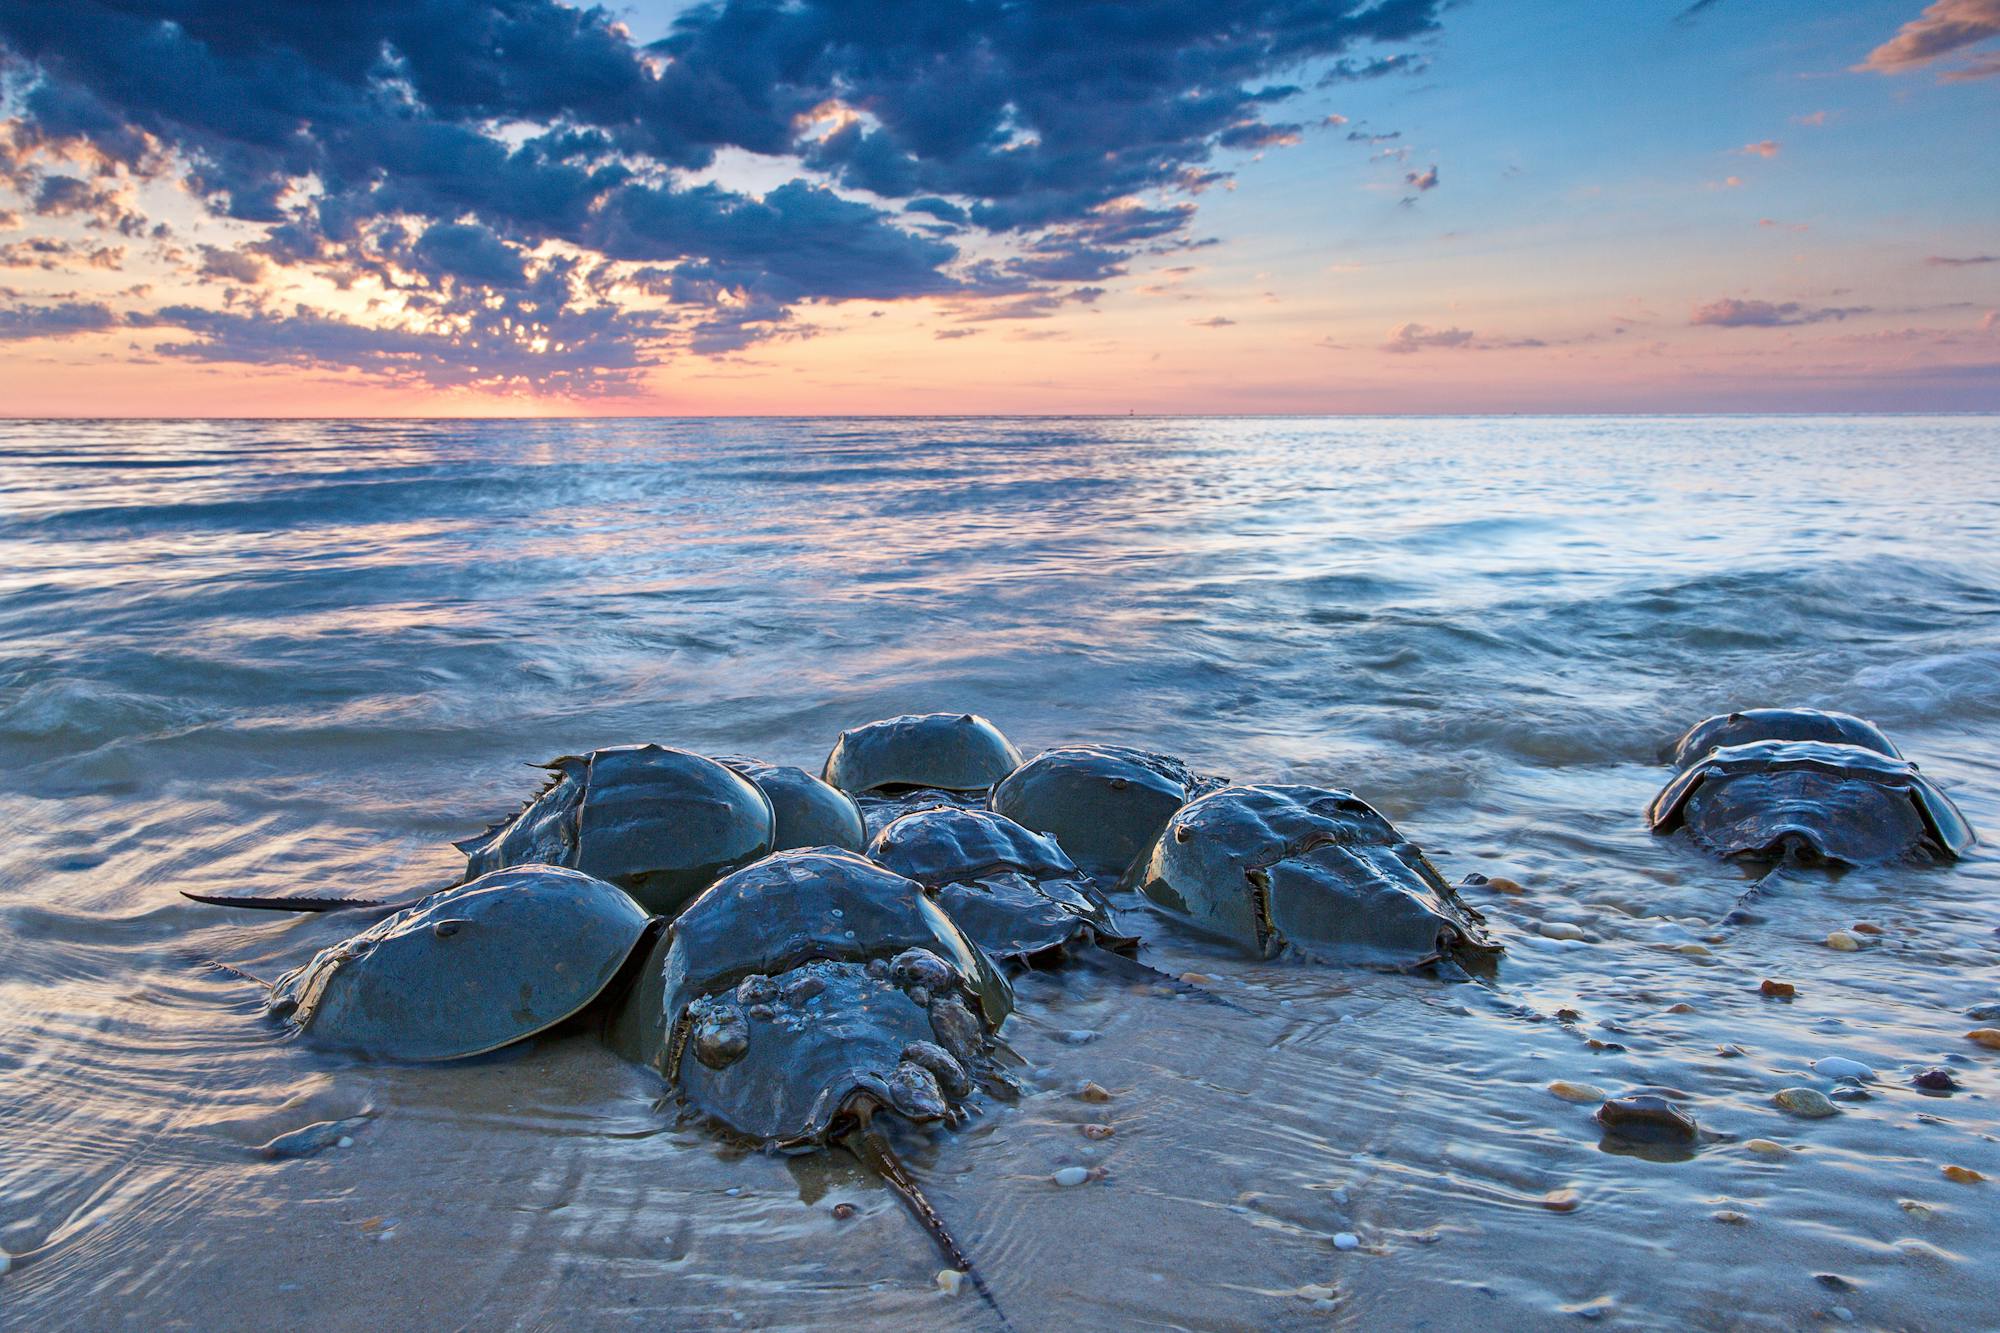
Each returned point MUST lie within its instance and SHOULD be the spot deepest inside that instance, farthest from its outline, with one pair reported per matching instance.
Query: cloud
(1409, 338)
(227, 265)
(62, 320)
(460, 143)
(1960, 261)
(1421, 182)
(1689, 14)
(51, 254)
(1944, 27)
(946, 334)
(1817, 118)
(1730, 313)
(1213, 322)
(1762, 148)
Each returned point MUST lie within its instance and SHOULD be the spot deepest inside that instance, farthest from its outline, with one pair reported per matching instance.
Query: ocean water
(290, 656)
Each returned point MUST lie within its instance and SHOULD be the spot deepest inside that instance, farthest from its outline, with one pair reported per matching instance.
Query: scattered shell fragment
(1778, 990)
(1730, 1217)
(1842, 941)
(1806, 1102)
(1989, 1037)
(1964, 1175)
(1091, 1092)
(1561, 930)
(1071, 1175)
(1916, 1208)
(1577, 1092)
(1346, 1240)
(1767, 1147)
(1562, 1201)
(950, 1281)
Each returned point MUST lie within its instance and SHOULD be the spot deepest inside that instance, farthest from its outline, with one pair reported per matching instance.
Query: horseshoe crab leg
(868, 1143)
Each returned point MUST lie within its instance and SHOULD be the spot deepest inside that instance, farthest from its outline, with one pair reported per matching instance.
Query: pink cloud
(1762, 148)
(1941, 29)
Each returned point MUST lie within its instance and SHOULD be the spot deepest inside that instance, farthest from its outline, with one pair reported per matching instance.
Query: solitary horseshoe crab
(660, 823)
(809, 812)
(1012, 890)
(1811, 802)
(802, 996)
(1779, 724)
(1104, 803)
(1306, 869)
(467, 970)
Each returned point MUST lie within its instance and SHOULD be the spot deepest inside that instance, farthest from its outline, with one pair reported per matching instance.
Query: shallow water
(285, 656)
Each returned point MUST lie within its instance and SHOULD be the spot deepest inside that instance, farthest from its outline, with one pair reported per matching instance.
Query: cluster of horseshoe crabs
(799, 957)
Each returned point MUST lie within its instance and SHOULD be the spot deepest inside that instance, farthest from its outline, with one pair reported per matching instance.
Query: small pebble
(733, 1191)
(1091, 1092)
(1865, 928)
(1767, 1148)
(388, 1234)
(1561, 930)
(1346, 1240)
(1848, 1092)
(950, 1281)
(1834, 1281)
(1077, 1037)
(1964, 1175)
(1842, 1313)
(1935, 1079)
(1577, 1092)
(1730, 1217)
(1731, 1052)
(1806, 1102)
(1842, 941)
(843, 1211)
(1097, 1131)
(1989, 1037)
(1197, 979)
(1500, 884)
(1562, 1200)
(1914, 1208)
(1693, 950)
(1778, 990)
(1839, 1066)
(1071, 1175)
(1681, 1008)
(1983, 1013)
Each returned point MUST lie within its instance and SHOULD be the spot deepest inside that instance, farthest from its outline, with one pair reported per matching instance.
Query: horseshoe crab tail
(1740, 913)
(288, 904)
(1131, 969)
(229, 970)
(868, 1143)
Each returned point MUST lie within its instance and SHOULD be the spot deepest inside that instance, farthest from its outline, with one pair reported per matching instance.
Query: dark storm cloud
(485, 128)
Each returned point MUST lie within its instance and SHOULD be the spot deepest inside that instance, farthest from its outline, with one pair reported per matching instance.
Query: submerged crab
(1012, 890)
(1306, 869)
(1779, 724)
(467, 970)
(660, 823)
(1811, 802)
(809, 813)
(1104, 803)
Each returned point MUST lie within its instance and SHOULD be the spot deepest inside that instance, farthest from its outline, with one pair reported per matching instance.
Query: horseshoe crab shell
(469, 969)
(1805, 800)
(809, 812)
(1104, 803)
(1011, 889)
(807, 989)
(1779, 724)
(662, 824)
(953, 752)
(1305, 868)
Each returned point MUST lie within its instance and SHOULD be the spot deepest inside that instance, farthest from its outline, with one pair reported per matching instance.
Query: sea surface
(304, 656)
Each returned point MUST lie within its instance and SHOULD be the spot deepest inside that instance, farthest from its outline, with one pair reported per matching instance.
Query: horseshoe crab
(809, 813)
(805, 995)
(1012, 890)
(1104, 803)
(1306, 869)
(1779, 724)
(467, 970)
(1811, 802)
(660, 823)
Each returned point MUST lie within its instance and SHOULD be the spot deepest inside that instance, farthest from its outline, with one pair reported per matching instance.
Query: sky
(521, 207)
